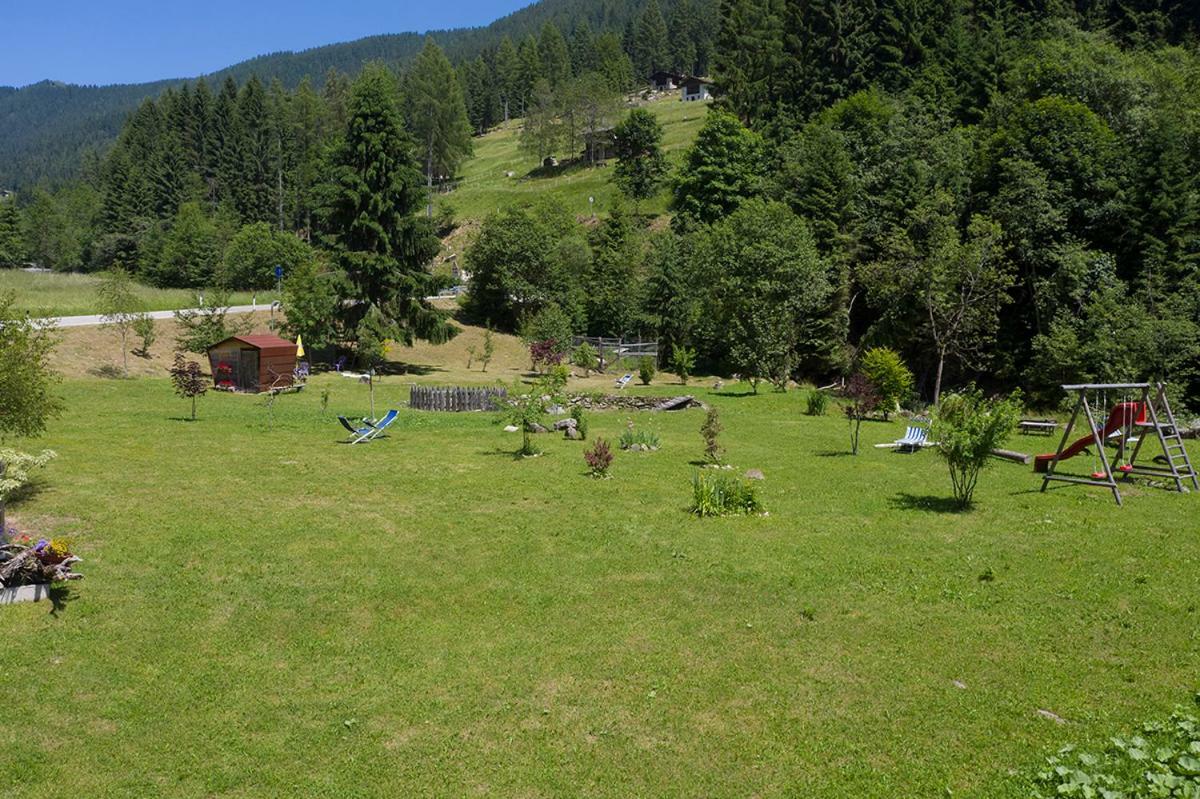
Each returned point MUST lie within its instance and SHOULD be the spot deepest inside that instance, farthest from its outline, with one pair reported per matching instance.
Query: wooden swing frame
(1153, 399)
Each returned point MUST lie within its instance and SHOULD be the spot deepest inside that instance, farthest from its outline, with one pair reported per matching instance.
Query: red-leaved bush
(598, 458)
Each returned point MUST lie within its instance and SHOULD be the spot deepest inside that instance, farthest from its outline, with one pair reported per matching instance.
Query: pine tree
(556, 59)
(225, 149)
(613, 63)
(256, 180)
(584, 56)
(680, 24)
(651, 47)
(12, 241)
(437, 114)
(529, 69)
(506, 76)
(380, 242)
(750, 69)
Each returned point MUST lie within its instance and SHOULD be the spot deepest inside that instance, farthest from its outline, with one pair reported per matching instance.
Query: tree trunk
(3, 526)
(429, 177)
(937, 383)
(193, 407)
(124, 358)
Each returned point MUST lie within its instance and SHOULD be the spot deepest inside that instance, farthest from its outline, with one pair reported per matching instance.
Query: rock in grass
(537, 428)
(563, 424)
(1046, 714)
(572, 434)
(512, 428)
(754, 474)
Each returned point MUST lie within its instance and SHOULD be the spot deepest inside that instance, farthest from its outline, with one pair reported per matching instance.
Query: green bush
(683, 360)
(585, 358)
(967, 427)
(646, 369)
(715, 494)
(581, 422)
(892, 379)
(817, 403)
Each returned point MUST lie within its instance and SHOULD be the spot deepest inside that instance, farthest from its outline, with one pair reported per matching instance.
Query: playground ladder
(1178, 462)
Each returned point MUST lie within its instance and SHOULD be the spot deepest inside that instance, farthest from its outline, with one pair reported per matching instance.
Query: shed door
(248, 370)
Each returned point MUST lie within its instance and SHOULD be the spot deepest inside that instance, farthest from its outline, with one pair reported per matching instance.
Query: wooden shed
(253, 363)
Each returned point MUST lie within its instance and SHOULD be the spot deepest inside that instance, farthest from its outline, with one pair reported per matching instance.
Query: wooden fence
(455, 398)
(614, 350)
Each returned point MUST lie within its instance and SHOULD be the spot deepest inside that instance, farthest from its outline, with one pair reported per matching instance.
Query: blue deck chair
(367, 430)
(914, 439)
(624, 381)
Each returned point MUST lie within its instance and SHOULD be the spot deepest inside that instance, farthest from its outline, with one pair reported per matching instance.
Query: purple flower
(40, 545)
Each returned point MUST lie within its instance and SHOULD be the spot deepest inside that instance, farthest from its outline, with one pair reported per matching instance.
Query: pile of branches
(43, 562)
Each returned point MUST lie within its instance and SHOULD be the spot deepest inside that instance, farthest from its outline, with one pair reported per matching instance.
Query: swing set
(1129, 422)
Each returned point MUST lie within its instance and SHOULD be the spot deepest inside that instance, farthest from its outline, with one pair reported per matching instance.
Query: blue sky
(130, 41)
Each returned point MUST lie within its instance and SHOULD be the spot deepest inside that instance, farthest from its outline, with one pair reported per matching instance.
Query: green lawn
(485, 187)
(68, 294)
(269, 613)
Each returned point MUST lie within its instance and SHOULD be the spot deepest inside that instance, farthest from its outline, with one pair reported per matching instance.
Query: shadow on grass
(835, 453)
(61, 594)
(565, 167)
(514, 455)
(926, 502)
(401, 368)
(734, 394)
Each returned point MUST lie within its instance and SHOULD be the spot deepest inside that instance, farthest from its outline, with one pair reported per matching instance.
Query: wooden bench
(1045, 427)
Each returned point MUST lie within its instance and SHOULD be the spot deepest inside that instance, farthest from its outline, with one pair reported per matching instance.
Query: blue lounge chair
(624, 381)
(914, 439)
(368, 430)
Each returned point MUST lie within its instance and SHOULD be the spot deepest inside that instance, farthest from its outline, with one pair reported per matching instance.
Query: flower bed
(26, 562)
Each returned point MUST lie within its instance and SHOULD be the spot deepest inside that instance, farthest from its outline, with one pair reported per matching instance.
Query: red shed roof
(268, 342)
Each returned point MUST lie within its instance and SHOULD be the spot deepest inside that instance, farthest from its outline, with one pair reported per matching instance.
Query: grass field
(67, 294)
(270, 613)
(485, 187)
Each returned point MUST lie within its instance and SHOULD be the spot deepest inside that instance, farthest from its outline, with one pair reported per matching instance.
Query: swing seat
(1125, 468)
(1099, 476)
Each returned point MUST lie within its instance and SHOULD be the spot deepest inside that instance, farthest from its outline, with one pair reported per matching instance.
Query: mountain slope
(46, 128)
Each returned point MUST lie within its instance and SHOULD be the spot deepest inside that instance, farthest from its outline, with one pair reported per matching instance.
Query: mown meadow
(269, 612)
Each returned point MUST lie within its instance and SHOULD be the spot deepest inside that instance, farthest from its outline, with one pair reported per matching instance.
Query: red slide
(1122, 414)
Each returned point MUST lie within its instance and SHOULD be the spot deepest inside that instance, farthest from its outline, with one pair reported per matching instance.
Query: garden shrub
(1163, 759)
(585, 358)
(598, 458)
(816, 403)
(683, 360)
(892, 379)
(862, 399)
(967, 427)
(581, 421)
(646, 369)
(710, 431)
(715, 494)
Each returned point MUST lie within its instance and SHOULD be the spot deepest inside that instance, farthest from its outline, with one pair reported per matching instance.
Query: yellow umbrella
(299, 347)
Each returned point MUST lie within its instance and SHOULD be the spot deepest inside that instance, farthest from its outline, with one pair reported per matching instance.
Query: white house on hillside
(692, 89)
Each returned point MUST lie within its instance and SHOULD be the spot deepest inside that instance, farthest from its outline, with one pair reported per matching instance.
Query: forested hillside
(47, 129)
(1001, 192)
